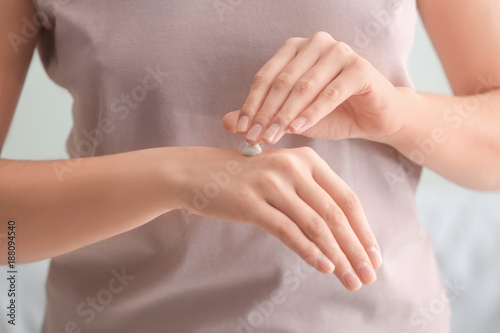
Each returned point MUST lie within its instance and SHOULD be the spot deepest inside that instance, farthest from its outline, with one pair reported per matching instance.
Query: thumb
(229, 121)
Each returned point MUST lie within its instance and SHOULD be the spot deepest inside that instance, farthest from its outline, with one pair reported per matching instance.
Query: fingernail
(366, 273)
(298, 123)
(271, 132)
(374, 256)
(242, 124)
(352, 280)
(325, 264)
(254, 132)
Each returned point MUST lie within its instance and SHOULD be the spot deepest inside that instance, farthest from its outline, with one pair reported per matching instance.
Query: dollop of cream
(251, 150)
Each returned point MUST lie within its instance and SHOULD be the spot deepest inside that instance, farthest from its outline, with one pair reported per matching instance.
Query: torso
(195, 274)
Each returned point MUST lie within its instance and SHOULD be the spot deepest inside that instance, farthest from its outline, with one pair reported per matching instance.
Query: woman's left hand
(319, 88)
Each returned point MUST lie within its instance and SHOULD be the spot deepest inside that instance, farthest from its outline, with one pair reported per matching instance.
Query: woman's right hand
(290, 193)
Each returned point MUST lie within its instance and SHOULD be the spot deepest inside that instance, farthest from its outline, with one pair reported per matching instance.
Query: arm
(100, 198)
(93, 202)
(458, 136)
(14, 65)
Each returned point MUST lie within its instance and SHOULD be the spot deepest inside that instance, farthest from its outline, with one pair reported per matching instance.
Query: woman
(151, 82)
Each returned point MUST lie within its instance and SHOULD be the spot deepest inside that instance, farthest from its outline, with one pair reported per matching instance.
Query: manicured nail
(242, 124)
(298, 123)
(325, 264)
(271, 132)
(254, 132)
(352, 280)
(366, 273)
(375, 257)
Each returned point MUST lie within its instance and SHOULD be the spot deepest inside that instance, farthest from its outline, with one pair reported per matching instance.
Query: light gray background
(43, 120)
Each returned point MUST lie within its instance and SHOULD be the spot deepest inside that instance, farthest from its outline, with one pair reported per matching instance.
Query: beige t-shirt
(156, 73)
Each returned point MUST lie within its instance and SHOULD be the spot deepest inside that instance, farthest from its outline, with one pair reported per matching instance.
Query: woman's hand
(319, 88)
(290, 193)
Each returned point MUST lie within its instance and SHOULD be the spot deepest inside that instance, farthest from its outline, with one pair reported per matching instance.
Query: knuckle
(283, 81)
(309, 254)
(260, 79)
(341, 262)
(359, 64)
(331, 94)
(249, 106)
(315, 228)
(368, 236)
(306, 150)
(264, 116)
(338, 220)
(305, 87)
(313, 112)
(286, 163)
(308, 153)
(284, 232)
(342, 49)
(334, 215)
(294, 41)
(322, 36)
(266, 113)
(351, 200)
(357, 255)
(284, 118)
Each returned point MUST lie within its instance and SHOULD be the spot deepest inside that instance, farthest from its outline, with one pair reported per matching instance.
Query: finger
(277, 95)
(317, 230)
(310, 85)
(349, 82)
(307, 219)
(341, 229)
(262, 81)
(280, 226)
(347, 200)
(229, 121)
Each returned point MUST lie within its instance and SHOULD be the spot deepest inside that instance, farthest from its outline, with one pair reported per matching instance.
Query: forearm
(458, 137)
(100, 197)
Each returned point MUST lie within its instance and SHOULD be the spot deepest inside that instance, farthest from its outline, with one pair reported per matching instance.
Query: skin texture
(109, 195)
(321, 88)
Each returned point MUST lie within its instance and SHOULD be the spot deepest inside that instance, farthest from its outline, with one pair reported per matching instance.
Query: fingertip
(325, 265)
(229, 121)
(366, 273)
(275, 139)
(242, 124)
(298, 125)
(254, 134)
(375, 257)
(351, 280)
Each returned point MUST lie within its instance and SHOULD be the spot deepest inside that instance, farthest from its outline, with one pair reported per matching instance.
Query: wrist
(403, 109)
(163, 172)
(179, 169)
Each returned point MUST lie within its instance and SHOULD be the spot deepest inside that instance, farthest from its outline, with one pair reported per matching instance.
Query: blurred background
(464, 225)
